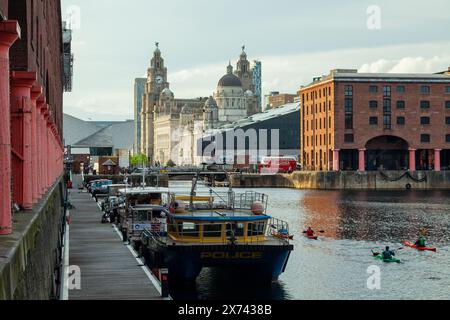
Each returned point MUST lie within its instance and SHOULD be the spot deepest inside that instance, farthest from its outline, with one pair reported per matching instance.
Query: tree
(139, 159)
(171, 164)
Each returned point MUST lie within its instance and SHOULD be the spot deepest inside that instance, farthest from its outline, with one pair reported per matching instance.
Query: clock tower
(156, 83)
(156, 75)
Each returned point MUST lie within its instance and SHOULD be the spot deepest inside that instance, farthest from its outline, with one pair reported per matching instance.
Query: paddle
(321, 231)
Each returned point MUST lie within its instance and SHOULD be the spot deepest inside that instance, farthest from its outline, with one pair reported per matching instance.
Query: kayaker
(310, 232)
(388, 254)
(421, 243)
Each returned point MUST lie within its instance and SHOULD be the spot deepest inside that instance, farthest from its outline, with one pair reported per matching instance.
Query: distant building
(257, 83)
(139, 90)
(91, 140)
(277, 100)
(165, 118)
(373, 121)
(282, 126)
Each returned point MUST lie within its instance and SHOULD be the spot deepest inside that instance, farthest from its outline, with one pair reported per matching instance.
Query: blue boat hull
(186, 262)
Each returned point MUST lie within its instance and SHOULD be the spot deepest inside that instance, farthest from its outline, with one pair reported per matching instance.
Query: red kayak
(312, 237)
(412, 245)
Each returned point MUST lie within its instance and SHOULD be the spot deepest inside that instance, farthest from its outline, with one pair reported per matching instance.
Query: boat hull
(186, 262)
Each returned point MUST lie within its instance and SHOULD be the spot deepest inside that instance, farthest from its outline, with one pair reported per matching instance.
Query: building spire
(229, 68)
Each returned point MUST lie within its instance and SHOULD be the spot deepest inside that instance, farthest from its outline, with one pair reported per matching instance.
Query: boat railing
(278, 229)
(245, 201)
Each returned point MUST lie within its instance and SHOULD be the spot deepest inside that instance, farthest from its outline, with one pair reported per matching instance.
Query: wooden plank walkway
(108, 269)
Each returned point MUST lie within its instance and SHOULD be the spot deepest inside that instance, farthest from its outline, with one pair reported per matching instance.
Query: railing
(227, 235)
(229, 201)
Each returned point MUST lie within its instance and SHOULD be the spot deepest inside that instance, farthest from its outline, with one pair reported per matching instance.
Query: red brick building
(362, 121)
(31, 97)
(281, 99)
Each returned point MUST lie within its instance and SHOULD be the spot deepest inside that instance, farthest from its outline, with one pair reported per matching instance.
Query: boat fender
(408, 186)
(257, 208)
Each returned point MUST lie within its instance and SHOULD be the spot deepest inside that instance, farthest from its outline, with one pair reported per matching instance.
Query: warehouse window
(425, 120)
(425, 89)
(401, 89)
(425, 138)
(401, 104)
(373, 121)
(424, 104)
(401, 121)
(373, 89)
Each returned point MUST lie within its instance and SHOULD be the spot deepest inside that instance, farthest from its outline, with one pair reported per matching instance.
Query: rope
(406, 174)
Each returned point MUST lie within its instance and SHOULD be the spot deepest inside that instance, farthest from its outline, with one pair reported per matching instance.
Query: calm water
(335, 267)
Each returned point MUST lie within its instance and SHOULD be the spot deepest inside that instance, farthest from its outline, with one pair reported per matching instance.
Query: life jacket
(387, 255)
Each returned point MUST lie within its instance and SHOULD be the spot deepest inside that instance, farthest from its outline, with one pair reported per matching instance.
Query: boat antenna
(143, 175)
(194, 186)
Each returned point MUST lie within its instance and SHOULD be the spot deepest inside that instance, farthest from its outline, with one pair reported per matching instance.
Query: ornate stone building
(171, 126)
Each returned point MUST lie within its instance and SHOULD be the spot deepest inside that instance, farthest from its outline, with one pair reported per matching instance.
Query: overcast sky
(296, 40)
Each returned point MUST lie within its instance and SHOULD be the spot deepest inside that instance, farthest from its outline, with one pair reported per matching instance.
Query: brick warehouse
(360, 121)
(31, 97)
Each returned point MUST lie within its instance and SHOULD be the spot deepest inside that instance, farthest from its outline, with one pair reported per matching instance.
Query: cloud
(287, 73)
(284, 73)
(408, 65)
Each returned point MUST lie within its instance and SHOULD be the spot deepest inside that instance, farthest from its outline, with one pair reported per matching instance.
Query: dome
(210, 104)
(230, 80)
(249, 93)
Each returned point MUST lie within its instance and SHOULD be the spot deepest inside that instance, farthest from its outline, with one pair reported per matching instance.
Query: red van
(278, 165)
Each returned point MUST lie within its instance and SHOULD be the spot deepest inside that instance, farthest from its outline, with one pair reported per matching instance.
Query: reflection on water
(335, 266)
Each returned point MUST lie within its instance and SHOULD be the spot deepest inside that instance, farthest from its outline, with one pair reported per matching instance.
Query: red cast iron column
(46, 149)
(9, 32)
(36, 92)
(21, 83)
(41, 104)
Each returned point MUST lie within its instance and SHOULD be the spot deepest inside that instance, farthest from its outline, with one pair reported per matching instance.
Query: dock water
(109, 271)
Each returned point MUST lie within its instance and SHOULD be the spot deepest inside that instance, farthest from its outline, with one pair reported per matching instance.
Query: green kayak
(392, 260)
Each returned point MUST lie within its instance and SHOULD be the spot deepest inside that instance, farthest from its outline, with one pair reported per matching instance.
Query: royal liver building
(170, 127)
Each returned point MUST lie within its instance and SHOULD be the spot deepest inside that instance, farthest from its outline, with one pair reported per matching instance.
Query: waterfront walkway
(109, 271)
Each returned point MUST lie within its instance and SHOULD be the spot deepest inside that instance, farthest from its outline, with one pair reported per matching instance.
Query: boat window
(189, 229)
(238, 229)
(212, 230)
(142, 216)
(256, 229)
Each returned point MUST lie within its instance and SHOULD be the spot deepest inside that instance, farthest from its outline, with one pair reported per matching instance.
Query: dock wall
(390, 180)
(30, 256)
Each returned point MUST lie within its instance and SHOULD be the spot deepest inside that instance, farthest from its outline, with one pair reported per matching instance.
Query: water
(335, 267)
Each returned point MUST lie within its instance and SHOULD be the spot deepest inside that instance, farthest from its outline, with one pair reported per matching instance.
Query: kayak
(312, 237)
(412, 245)
(391, 260)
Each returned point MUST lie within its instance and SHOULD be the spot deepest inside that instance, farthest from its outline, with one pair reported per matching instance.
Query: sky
(296, 40)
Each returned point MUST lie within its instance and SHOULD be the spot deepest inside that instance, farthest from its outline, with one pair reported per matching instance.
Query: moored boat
(225, 230)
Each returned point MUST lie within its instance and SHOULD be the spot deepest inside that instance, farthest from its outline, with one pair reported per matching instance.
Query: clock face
(159, 79)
